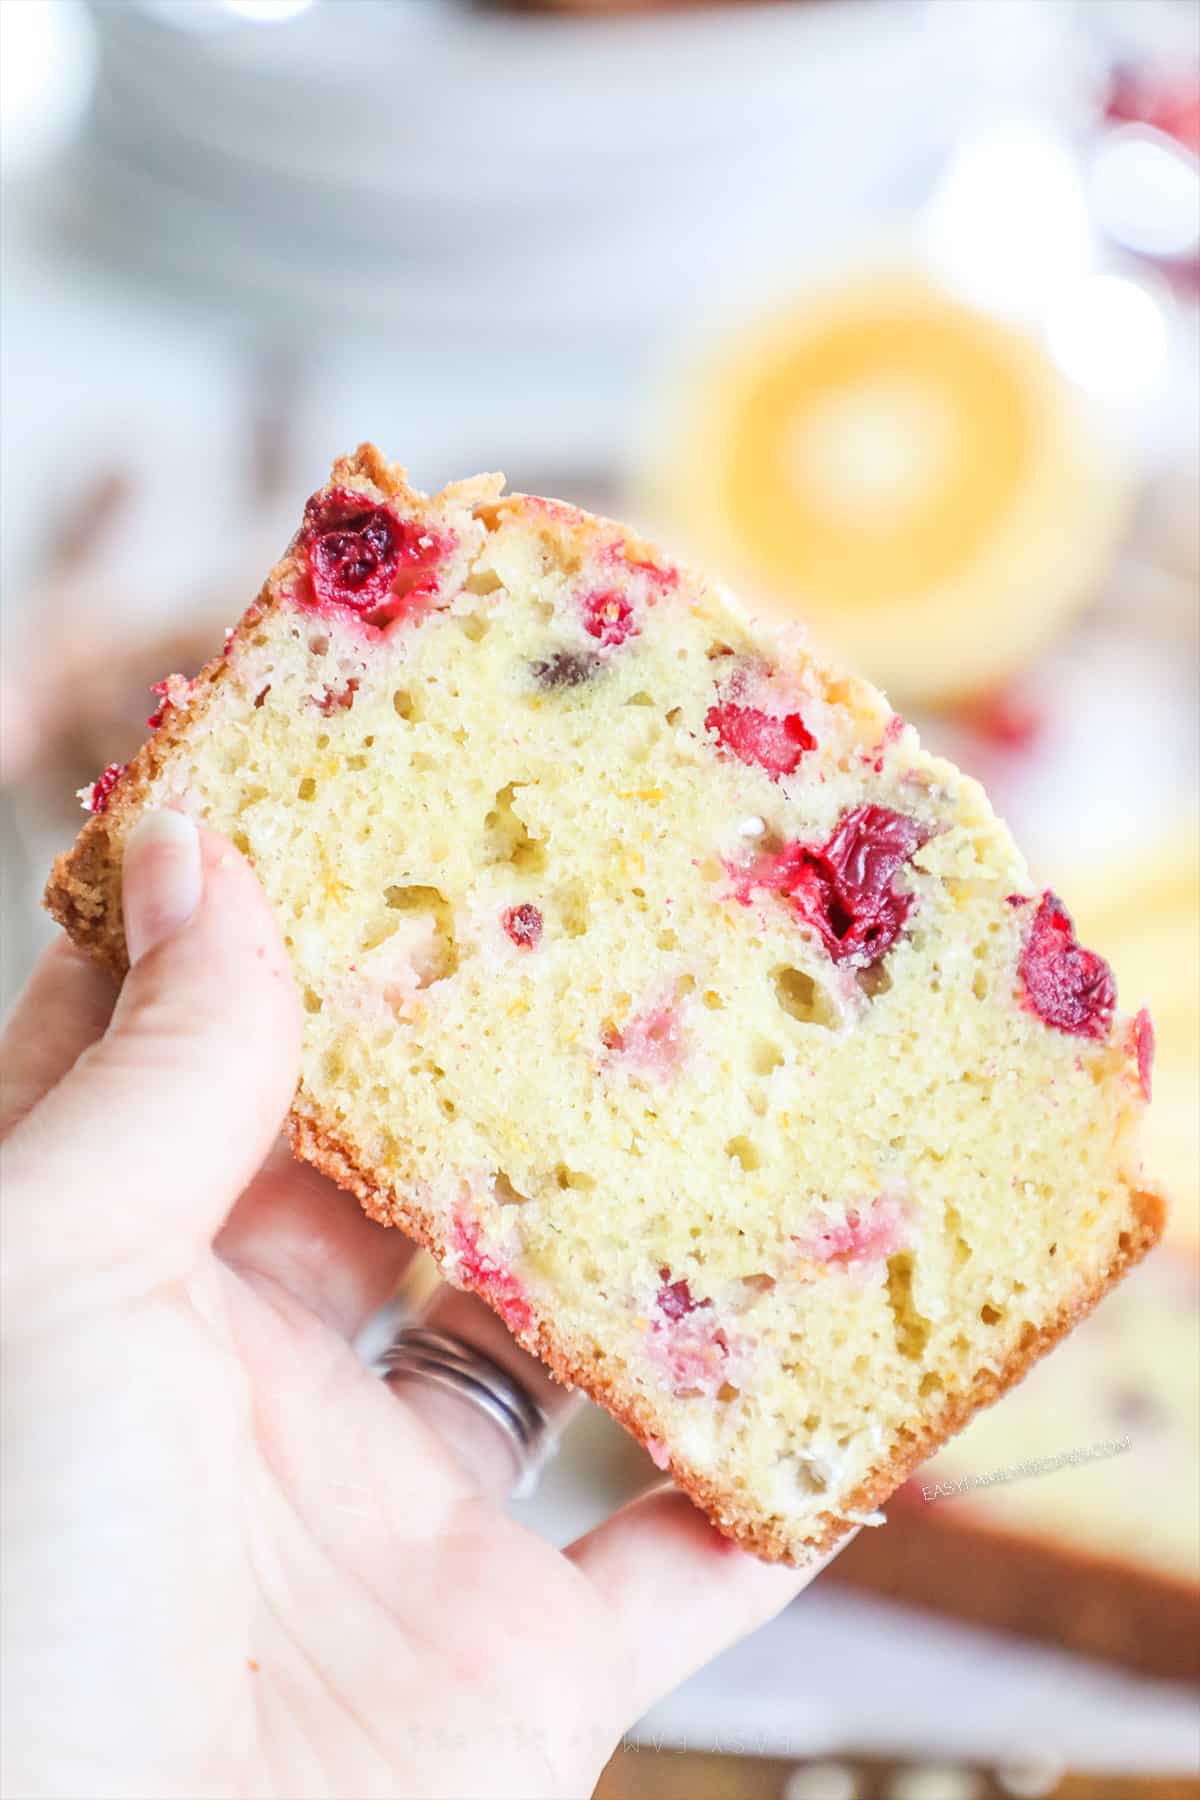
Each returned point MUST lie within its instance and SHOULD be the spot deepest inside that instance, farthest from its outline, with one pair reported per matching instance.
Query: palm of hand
(293, 1551)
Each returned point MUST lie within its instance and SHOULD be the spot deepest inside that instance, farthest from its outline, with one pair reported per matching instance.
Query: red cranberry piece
(161, 688)
(172, 690)
(353, 549)
(844, 888)
(674, 1298)
(1065, 985)
(102, 787)
(524, 926)
(776, 745)
(358, 553)
(608, 617)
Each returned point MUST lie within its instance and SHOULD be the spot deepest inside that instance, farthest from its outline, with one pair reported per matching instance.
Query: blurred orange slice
(907, 474)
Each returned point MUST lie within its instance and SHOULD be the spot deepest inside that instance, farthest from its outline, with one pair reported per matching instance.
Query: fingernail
(161, 879)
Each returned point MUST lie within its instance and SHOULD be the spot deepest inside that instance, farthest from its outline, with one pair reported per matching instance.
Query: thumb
(127, 1169)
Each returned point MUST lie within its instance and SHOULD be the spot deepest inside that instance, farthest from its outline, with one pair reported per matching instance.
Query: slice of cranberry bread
(660, 983)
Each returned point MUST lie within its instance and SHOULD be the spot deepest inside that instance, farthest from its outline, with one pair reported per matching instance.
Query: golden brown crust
(84, 889)
(950, 1558)
(83, 894)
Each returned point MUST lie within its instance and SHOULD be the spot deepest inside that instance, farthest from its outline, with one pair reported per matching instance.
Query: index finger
(680, 1591)
(64, 1007)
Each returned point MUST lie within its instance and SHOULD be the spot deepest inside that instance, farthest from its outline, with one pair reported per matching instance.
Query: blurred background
(886, 311)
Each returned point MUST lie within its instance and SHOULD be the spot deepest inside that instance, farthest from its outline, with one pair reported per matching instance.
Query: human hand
(236, 1562)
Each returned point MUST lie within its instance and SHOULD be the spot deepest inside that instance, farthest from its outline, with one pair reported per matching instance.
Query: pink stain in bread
(867, 1235)
(488, 1274)
(663, 576)
(688, 1343)
(173, 690)
(651, 1042)
(560, 510)
(892, 732)
(693, 1356)
(337, 699)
